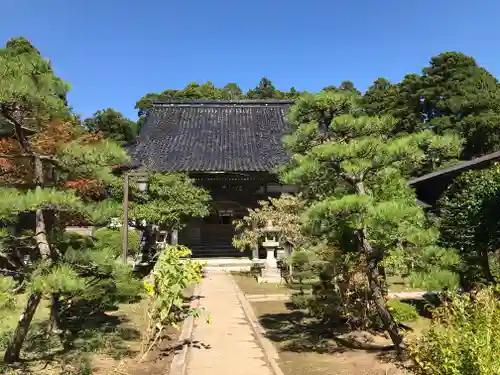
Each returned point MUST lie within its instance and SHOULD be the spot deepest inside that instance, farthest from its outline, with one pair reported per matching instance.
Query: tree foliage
(283, 212)
(352, 170)
(345, 87)
(60, 175)
(113, 125)
(207, 91)
(469, 217)
(170, 200)
(53, 264)
(453, 94)
(30, 93)
(462, 338)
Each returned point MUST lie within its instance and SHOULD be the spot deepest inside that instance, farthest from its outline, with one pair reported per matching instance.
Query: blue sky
(113, 52)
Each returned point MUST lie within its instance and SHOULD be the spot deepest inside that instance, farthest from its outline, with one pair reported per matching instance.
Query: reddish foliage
(91, 137)
(57, 134)
(88, 188)
(13, 170)
(53, 137)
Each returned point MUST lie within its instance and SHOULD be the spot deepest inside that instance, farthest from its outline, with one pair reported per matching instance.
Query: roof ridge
(201, 102)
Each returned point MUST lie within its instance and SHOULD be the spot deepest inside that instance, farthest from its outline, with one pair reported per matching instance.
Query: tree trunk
(148, 240)
(485, 266)
(55, 318)
(14, 348)
(376, 281)
(41, 235)
(383, 278)
(16, 342)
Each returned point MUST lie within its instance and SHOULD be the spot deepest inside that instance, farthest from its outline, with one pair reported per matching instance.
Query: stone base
(270, 276)
(270, 280)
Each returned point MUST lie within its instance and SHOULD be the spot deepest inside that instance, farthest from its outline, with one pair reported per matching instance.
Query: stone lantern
(270, 272)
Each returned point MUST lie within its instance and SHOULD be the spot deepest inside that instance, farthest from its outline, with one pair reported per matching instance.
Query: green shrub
(468, 221)
(7, 296)
(112, 238)
(463, 337)
(402, 312)
(303, 263)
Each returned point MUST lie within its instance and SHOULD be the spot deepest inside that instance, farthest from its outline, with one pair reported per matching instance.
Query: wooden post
(255, 252)
(174, 237)
(125, 218)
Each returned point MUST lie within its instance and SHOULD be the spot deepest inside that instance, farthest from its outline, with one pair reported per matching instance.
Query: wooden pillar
(174, 237)
(125, 219)
(255, 252)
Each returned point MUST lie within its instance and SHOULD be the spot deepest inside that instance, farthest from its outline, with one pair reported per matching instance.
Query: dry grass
(108, 344)
(248, 284)
(306, 349)
(397, 284)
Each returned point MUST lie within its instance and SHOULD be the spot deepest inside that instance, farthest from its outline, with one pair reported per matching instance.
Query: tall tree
(264, 90)
(113, 125)
(53, 269)
(345, 86)
(460, 96)
(232, 91)
(377, 100)
(32, 99)
(352, 170)
(348, 86)
(30, 94)
(453, 94)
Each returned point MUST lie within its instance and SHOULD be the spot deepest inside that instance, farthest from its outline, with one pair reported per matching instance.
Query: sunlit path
(228, 344)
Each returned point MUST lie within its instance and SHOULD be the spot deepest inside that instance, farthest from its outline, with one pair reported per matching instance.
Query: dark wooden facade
(232, 196)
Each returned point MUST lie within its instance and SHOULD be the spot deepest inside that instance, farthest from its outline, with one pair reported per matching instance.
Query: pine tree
(61, 176)
(352, 170)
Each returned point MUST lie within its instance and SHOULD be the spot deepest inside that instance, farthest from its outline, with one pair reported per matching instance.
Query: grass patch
(397, 284)
(249, 285)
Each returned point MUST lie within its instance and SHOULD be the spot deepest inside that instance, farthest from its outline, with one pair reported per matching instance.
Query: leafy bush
(7, 298)
(303, 263)
(468, 221)
(402, 312)
(112, 238)
(463, 337)
(172, 274)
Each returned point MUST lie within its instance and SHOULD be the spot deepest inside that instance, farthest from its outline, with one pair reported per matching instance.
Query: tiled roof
(204, 136)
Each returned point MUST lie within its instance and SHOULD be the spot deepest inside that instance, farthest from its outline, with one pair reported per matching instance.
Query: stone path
(228, 344)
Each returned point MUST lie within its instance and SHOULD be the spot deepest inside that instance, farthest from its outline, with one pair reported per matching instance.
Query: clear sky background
(113, 52)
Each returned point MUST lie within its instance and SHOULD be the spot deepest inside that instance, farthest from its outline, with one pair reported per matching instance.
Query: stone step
(228, 264)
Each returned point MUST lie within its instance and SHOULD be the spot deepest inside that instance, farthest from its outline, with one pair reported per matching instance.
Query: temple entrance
(212, 236)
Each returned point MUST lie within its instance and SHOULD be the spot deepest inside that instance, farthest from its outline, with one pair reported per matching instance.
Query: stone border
(179, 362)
(270, 352)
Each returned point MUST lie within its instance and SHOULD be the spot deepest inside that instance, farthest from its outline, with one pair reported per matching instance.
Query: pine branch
(30, 155)
(18, 128)
(7, 272)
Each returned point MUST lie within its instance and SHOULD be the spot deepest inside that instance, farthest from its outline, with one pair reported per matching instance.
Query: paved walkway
(228, 344)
